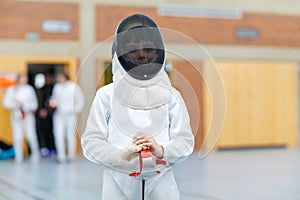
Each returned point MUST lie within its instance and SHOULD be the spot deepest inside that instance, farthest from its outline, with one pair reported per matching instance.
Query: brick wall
(274, 30)
(19, 18)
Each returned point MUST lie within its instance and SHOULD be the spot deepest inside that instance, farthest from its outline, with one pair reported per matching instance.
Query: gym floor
(260, 174)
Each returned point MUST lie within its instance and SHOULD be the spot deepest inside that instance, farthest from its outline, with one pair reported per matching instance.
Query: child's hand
(17, 102)
(149, 141)
(130, 152)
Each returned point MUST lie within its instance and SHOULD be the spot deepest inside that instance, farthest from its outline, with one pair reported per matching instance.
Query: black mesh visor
(140, 51)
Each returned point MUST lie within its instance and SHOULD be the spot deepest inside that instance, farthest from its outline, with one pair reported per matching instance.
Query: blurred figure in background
(68, 101)
(44, 118)
(22, 101)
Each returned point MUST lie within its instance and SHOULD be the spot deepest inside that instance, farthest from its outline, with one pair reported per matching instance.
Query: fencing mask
(139, 47)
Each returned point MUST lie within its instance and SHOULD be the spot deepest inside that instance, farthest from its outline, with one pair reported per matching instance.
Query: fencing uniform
(22, 119)
(140, 99)
(69, 101)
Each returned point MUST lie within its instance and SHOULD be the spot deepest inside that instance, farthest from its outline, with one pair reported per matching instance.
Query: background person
(68, 100)
(22, 101)
(44, 118)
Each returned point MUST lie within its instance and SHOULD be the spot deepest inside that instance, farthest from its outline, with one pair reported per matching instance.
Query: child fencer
(22, 101)
(140, 109)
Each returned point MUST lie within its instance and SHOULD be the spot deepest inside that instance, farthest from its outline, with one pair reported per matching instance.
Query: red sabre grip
(147, 165)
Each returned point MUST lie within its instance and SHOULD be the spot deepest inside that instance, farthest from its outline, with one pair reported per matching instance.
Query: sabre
(148, 167)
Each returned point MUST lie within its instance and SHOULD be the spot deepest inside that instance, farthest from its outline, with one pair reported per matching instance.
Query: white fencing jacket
(121, 109)
(25, 94)
(68, 97)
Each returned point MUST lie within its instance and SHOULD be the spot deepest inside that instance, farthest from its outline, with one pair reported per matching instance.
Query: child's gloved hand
(148, 141)
(131, 151)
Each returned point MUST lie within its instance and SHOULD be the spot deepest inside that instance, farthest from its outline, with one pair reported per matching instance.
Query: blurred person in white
(68, 101)
(140, 109)
(21, 99)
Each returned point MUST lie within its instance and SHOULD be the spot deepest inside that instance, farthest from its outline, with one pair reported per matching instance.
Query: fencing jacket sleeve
(96, 148)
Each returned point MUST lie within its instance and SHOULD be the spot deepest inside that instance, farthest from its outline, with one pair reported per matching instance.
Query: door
(11, 65)
(261, 103)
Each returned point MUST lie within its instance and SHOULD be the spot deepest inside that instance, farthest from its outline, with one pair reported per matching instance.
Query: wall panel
(261, 103)
(189, 82)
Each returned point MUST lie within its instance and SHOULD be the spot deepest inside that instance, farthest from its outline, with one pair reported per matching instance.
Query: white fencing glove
(131, 151)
